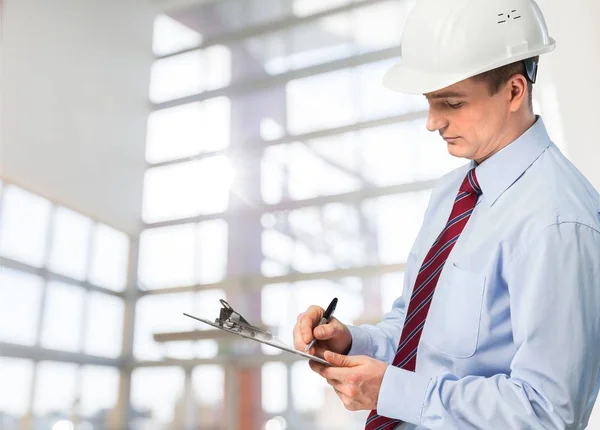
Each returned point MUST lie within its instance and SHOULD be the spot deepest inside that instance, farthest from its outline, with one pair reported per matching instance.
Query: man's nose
(435, 121)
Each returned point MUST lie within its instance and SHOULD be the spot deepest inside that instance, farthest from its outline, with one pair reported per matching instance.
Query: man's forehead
(460, 89)
(442, 94)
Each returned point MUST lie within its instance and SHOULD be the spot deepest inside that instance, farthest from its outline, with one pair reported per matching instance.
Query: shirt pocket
(452, 325)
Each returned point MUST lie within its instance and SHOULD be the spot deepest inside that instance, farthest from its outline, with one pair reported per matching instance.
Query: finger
(308, 320)
(317, 367)
(325, 331)
(317, 351)
(340, 360)
(337, 385)
(298, 340)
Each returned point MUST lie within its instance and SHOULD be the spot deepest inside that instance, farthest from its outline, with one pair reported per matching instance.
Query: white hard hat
(447, 41)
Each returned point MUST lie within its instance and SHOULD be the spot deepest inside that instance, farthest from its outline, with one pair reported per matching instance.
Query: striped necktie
(425, 283)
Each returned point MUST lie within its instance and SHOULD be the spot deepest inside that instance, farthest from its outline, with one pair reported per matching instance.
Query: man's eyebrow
(445, 94)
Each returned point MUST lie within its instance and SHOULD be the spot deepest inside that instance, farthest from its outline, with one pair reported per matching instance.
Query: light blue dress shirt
(512, 338)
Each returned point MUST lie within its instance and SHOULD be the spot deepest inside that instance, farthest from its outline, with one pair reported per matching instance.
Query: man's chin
(457, 150)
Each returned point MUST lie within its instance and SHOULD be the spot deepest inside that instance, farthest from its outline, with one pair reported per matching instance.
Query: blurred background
(158, 155)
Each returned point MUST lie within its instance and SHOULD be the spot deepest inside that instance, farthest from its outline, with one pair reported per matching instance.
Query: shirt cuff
(402, 395)
(361, 341)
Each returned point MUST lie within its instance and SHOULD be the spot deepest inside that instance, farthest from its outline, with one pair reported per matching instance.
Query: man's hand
(333, 336)
(356, 380)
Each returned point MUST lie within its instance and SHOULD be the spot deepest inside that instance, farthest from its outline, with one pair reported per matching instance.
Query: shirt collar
(501, 170)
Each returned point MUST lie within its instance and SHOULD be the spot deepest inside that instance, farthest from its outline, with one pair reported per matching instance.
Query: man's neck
(513, 131)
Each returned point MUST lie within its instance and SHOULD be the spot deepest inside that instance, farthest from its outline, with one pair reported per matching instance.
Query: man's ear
(517, 85)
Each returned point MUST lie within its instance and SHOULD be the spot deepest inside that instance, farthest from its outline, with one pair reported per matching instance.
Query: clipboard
(232, 322)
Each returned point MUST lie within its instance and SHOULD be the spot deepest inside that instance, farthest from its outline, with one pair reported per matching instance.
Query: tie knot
(471, 184)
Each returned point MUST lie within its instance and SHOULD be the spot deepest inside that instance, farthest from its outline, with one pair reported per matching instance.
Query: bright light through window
(188, 130)
(274, 387)
(172, 36)
(20, 306)
(70, 243)
(63, 317)
(16, 376)
(187, 189)
(55, 388)
(24, 227)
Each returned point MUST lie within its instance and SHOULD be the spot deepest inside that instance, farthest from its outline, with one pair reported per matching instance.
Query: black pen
(326, 318)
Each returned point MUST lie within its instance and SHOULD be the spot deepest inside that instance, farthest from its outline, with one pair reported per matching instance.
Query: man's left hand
(356, 379)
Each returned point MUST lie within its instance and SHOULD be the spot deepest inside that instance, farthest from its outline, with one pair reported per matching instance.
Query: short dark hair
(497, 77)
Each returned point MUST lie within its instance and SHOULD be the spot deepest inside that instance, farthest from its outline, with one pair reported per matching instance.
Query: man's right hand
(333, 336)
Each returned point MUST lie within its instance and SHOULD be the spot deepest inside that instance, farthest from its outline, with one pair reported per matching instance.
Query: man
(498, 326)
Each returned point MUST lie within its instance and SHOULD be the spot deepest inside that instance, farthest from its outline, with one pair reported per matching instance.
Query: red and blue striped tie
(427, 278)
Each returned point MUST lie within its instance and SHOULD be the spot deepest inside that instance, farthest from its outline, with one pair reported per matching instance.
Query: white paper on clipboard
(249, 334)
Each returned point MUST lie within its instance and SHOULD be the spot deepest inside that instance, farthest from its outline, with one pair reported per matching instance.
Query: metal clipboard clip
(232, 320)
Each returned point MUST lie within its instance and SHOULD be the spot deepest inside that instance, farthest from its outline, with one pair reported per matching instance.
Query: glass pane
(161, 314)
(320, 101)
(282, 303)
(398, 219)
(63, 317)
(207, 304)
(187, 189)
(104, 329)
(99, 389)
(176, 77)
(160, 403)
(310, 7)
(376, 101)
(206, 349)
(405, 152)
(274, 387)
(217, 73)
(211, 257)
(20, 300)
(316, 238)
(324, 40)
(181, 350)
(25, 219)
(392, 285)
(110, 257)
(16, 376)
(167, 257)
(208, 383)
(333, 162)
(70, 243)
(308, 388)
(190, 73)
(187, 130)
(171, 36)
(387, 17)
(55, 388)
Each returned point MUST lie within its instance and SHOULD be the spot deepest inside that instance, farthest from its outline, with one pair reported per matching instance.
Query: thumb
(340, 360)
(324, 331)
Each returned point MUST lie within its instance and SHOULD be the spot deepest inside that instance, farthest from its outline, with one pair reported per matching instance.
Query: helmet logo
(502, 18)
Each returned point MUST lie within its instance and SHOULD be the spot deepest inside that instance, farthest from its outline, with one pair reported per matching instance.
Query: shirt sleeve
(380, 341)
(554, 289)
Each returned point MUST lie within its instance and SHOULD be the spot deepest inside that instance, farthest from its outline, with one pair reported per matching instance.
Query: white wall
(575, 70)
(74, 103)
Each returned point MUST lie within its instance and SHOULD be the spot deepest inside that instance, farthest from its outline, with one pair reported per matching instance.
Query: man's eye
(454, 105)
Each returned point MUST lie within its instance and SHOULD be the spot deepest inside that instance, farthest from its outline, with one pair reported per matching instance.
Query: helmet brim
(406, 80)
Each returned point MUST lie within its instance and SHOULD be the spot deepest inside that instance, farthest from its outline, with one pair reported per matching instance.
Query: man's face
(469, 119)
